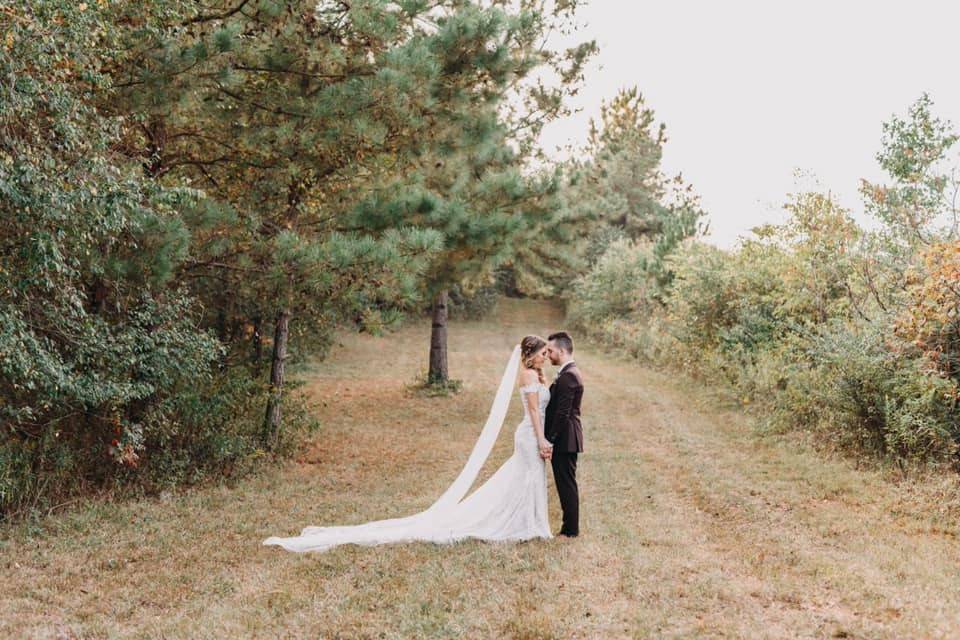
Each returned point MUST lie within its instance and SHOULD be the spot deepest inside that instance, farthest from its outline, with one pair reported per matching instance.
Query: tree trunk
(439, 374)
(222, 324)
(156, 138)
(271, 423)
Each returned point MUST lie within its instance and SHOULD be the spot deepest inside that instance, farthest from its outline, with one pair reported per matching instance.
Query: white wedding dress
(510, 506)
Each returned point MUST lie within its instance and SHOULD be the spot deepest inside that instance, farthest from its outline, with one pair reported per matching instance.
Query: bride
(511, 505)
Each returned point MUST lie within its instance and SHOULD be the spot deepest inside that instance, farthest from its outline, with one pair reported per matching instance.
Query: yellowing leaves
(931, 322)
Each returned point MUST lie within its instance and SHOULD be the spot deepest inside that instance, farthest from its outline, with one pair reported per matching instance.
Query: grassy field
(693, 526)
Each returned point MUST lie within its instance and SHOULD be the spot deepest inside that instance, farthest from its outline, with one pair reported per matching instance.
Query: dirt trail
(693, 526)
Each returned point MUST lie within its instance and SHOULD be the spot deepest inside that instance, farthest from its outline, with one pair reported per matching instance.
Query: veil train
(438, 523)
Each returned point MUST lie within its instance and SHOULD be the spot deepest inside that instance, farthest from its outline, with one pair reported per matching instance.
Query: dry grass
(692, 527)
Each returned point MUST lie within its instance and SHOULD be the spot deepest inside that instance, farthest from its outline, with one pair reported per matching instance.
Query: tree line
(849, 334)
(191, 190)
(192, 193)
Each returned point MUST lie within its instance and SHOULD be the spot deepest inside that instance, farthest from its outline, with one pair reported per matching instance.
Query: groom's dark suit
(562, 428)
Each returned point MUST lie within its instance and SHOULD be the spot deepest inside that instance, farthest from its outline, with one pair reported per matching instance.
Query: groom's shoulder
(572, 373)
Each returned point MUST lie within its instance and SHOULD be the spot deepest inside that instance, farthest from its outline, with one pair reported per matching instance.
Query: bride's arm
(532, 398)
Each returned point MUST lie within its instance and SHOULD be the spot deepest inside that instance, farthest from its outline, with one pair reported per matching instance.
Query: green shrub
(862, 396)
(619, 285)
(782, 322)
(473, 304)
(102, 353)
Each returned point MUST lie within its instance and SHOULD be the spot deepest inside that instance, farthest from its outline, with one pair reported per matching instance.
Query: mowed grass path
(693, 526)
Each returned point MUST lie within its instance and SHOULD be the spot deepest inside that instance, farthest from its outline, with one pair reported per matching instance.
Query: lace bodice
(543, 396)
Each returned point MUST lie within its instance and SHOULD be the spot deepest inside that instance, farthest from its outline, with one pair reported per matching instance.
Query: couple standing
(512, 504)
(557, 423)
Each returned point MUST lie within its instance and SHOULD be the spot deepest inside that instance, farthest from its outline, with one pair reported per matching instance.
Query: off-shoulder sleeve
(530, 388)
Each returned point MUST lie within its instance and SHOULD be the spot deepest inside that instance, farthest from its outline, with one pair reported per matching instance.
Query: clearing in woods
(693, 525)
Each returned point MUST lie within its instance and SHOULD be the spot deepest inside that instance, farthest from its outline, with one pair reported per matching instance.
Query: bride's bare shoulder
(527, 377)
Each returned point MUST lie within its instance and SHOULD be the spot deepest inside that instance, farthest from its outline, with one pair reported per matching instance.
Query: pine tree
(619, 191)
(634, 195)
(290, 115)
(285, 116)
(474, 176)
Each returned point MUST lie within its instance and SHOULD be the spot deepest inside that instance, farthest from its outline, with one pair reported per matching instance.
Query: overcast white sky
(752, 90)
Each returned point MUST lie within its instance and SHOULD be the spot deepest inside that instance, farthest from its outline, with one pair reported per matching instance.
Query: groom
(562, 428)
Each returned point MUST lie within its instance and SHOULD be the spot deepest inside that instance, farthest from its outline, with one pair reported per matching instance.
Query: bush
(618, 286)
(473, 304)
(106, 375)
(790, 325)
(865, 397)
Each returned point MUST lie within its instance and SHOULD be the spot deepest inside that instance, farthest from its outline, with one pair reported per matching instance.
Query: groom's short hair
(563, 340)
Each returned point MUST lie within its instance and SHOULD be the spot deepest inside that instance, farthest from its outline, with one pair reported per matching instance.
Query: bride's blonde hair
(529, 347)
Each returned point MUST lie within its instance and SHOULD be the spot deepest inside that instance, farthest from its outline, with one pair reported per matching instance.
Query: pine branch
(280, 112)
(215, 16)
(305, 74)
(171, 74)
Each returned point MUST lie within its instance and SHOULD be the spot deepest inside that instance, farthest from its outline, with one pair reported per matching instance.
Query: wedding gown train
(510, 506)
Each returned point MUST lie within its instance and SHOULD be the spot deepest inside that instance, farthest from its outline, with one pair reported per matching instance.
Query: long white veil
(432, 523)
(488, 437)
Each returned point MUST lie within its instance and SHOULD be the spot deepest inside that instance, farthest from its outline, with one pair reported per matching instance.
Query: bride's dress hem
(289, 546)
(510, 506)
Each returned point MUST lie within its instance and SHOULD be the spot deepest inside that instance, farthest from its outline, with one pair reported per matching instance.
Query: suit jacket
(562, 416)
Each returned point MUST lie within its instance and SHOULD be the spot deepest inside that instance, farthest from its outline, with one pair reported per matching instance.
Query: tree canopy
(195, 192)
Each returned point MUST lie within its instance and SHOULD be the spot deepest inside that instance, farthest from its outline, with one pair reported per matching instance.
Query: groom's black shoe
(567, 535)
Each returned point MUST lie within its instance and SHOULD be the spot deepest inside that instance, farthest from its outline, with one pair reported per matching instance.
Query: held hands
(546, 450)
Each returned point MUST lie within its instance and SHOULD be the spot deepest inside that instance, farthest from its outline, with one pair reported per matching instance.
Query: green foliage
(224, 434)
(865, 397)
(920, 203)
(474, 304)
(601, 293)
(824, 327)
(619, 191)
(632, 192)
(176, 175)
(288, 128)
(97, 338)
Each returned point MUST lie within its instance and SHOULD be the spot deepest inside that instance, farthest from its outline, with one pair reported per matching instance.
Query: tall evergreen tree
(477, 169)
(287, 116)
(634, 196)
(289, 113)
(618, 191)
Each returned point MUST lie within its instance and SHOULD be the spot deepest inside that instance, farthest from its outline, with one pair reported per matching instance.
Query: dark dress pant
(564, 465)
